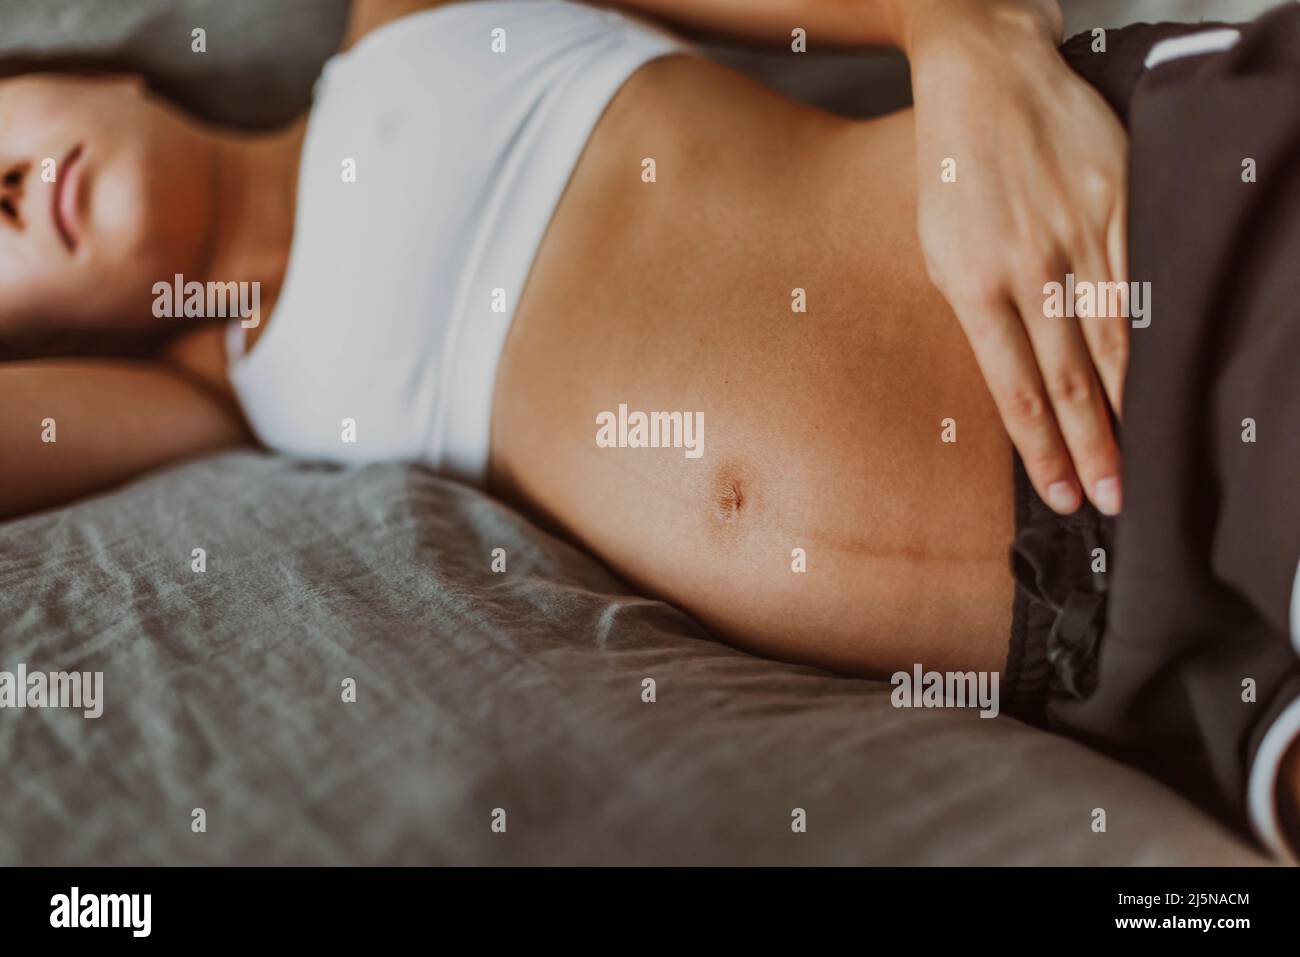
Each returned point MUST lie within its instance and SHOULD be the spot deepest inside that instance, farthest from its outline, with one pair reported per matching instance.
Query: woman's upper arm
(69, 428)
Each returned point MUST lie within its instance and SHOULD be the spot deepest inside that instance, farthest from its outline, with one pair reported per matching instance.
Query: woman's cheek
(118, 220)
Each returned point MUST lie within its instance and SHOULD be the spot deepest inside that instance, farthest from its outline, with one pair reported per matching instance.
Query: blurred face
(103, 192)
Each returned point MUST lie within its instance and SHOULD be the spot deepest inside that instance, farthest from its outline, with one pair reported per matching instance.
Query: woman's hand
(1035, 190)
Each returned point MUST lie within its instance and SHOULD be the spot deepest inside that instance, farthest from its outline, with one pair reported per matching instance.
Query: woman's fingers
(1106, 331)
(1117, 261)
(1075, 396)
(1006, 359)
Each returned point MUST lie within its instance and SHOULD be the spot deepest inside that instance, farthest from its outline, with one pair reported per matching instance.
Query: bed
(345, 678)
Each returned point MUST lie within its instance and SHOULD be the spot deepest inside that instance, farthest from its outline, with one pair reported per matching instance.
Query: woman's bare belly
(822, 430)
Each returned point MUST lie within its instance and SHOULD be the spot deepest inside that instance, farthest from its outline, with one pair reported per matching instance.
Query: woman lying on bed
(509, 233)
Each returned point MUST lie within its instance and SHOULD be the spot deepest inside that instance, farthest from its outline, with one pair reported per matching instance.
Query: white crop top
(463, 124)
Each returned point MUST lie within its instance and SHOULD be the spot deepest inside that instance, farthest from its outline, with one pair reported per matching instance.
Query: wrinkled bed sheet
(475, 690)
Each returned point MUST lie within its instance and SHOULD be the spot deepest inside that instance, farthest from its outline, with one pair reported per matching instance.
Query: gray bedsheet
(475, 691)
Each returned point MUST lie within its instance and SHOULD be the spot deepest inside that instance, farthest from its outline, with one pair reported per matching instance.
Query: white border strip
(1193, 44)
(1263, 779)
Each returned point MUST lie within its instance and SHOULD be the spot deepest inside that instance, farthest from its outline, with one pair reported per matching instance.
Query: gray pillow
(261, 60)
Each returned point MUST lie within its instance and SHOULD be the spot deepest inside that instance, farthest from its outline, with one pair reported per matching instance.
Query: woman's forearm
(846, 23)
(1033, 21)
(75, 427)
(834, 23)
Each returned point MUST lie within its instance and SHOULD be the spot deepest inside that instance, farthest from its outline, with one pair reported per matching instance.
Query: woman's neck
(254, 187)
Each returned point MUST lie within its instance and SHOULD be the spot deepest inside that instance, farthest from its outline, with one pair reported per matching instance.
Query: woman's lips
(67, 190)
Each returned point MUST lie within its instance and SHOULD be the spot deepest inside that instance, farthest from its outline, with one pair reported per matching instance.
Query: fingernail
(1062, 496)
(1106, 494)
